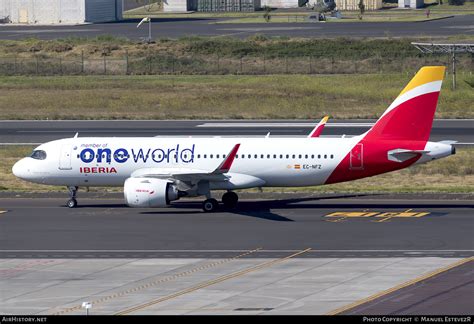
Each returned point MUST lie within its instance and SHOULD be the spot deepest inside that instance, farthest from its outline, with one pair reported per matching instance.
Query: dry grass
(214, 97)
(452, 174)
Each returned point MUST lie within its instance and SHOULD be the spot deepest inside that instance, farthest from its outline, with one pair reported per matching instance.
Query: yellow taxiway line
(342, 309)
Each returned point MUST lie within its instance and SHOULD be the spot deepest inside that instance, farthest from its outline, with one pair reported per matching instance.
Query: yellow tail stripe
(425, 75)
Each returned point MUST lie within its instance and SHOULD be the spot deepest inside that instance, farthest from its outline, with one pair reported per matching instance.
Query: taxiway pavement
(179, 27)
(331, 227)
(25, 131)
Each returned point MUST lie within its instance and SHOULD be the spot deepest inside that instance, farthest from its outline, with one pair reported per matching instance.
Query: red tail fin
(410, 116)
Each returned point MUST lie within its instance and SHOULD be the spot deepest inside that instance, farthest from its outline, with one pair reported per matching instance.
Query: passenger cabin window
(38, 155)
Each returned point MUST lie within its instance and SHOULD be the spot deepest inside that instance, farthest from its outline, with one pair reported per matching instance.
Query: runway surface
(179, 27)
(43, 131)
(331, 227)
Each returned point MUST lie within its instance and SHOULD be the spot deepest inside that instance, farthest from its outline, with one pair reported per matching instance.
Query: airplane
(158, 170)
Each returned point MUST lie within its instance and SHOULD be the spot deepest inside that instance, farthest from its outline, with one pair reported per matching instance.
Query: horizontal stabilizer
(402, 155)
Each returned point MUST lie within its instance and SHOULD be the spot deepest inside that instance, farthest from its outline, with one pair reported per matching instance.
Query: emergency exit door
(357, 157)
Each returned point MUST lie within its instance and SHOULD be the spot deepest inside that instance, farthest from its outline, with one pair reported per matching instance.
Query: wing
(190, 174)
(319, 127)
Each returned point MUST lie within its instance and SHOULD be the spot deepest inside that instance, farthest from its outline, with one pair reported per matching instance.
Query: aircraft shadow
(256, 209)
(263, 209)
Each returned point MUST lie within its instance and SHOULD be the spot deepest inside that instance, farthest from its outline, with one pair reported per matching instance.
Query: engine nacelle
(149, 192)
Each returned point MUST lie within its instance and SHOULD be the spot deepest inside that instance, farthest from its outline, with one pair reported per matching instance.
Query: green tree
(267, 15)
(361, 8)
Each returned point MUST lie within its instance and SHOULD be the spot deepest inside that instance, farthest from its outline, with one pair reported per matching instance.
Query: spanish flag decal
(297, 166)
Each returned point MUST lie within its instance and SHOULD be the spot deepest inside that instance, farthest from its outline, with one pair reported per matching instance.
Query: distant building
(354, 4)
(252, 5)
(281, 3)
(60, 11)
(415, 4)
(210, 5)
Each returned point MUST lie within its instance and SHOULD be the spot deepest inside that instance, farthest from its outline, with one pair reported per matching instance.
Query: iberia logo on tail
(405, 125)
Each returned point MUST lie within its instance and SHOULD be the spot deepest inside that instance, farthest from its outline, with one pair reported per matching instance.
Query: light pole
(148, 20)
(87, 306)
(450, 49)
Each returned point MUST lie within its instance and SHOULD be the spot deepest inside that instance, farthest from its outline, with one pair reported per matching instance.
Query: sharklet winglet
(319, 128)
(225, 166)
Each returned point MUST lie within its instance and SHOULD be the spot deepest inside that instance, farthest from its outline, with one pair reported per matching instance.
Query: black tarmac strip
(449, 292)
(20, 131)
(335, 226)
(179, 27)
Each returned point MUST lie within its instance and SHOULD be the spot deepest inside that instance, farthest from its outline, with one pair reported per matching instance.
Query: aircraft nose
(19, 169)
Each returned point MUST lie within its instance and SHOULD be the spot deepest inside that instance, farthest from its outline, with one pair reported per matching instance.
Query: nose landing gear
(72, 202)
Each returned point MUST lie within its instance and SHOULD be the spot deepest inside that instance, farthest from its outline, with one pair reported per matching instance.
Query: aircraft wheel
(210, 205)
(72, 203)
(230, 199)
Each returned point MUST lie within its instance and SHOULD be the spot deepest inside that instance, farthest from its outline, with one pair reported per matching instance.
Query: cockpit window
(39, 155)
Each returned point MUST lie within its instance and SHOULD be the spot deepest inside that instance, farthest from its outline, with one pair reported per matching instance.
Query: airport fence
(162, 64)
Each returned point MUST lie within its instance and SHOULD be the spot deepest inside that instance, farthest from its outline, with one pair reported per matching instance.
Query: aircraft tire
(72, 203)
(210, 205)
(230, 199)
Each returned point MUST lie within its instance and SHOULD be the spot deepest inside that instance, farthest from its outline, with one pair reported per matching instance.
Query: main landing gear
(210, 205)
(72, 202)
(229, 199)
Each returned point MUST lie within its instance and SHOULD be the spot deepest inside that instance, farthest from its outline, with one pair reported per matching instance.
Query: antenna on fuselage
(268, 135)
(77, 135)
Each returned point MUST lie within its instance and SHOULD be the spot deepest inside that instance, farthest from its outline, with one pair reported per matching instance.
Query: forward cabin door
(357, 157)
(65, 157)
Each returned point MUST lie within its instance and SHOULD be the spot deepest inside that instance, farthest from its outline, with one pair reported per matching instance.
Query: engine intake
(150, 192)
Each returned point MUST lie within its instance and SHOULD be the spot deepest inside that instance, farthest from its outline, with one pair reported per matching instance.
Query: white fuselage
(259, 161)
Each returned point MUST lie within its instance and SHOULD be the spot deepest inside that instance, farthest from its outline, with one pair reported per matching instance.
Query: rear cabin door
(65, 157)
(357, 157)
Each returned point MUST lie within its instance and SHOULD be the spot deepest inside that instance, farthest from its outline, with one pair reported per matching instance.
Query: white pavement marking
(226, 125)
(184, 251)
